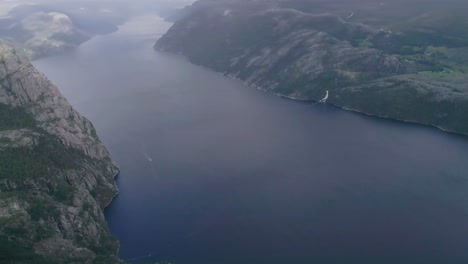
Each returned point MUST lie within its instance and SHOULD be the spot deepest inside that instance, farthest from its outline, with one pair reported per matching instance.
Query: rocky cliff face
(307, 50)
(55, 175)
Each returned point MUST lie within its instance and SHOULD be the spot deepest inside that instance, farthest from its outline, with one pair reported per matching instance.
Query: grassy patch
(446, 73)
(365, 44)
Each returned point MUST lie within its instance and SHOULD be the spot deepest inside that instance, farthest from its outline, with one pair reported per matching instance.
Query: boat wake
(147, 157)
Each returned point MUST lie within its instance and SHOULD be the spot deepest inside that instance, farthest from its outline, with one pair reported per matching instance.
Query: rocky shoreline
(338, 106)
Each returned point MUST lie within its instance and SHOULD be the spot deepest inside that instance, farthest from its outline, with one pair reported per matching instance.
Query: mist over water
(216, 172)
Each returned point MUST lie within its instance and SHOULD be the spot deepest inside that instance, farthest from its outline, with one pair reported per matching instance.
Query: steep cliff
(361, 61)
(55, 175)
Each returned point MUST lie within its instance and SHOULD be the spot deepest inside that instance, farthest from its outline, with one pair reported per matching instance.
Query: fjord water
(214, 172)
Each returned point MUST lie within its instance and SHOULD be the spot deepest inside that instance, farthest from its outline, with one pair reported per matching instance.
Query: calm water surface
(214, 172)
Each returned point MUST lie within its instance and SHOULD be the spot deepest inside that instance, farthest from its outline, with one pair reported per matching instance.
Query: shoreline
(116, 187)
(107, 205)
(432, 126)
(230, 76)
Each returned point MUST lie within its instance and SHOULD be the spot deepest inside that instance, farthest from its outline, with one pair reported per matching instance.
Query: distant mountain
(406, 63)
(55, 175)
(41, 30)
(41, 34)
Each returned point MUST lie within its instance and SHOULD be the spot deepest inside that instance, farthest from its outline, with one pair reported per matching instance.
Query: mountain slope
(55, 175)
(302, 49)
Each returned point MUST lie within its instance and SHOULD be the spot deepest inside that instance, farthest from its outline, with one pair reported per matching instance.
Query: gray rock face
(18, 138)
(26, 87)
(56, 177)
(409, 75)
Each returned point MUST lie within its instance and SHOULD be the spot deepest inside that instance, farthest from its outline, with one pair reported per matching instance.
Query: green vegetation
(15, 118)
(17, 163)
(446, 73)
(12, 251)
(4, 221)
(106, 245)
(16, 231)
(365, 44)
(63, 192)
(42, 233)
(42, 162)
(33, 163)
(42, 209)
(5, 140)
(40, 177)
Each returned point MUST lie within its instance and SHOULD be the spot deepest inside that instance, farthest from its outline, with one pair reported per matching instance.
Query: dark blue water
(214, 172)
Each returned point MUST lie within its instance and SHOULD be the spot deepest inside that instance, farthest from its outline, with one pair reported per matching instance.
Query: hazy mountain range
(47, 27)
